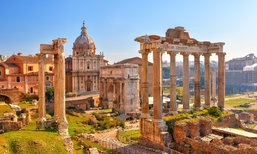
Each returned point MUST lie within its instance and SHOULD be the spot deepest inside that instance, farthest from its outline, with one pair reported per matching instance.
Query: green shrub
(214, 111)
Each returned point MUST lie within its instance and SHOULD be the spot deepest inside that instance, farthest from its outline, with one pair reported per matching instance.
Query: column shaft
(197, 90)
(221, 80)
(185, 98)
(56, 87)
(41, 88)
(144, 84)
(207, 80)
(157, 103)
(173, 103)
(213, 82)
(121, 98)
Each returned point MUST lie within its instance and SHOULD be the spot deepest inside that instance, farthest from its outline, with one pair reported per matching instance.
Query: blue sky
(114, 24)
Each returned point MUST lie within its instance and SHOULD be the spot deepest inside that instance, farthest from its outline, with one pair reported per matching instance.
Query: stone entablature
(119, 87)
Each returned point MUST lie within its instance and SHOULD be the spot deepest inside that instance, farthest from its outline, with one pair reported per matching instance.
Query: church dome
(84, 45)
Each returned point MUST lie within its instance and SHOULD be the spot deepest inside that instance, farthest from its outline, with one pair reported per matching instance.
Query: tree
(49, 94)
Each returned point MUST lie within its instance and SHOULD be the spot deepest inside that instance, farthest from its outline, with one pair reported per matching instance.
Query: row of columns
(157, 53)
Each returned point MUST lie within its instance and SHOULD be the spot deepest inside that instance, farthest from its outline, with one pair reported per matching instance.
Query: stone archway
(5, 99)
(110, 95)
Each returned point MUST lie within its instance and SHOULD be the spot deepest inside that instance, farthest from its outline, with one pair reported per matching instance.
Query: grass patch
(130, 136)
(27, 105)
(238, 101)
(5, 108)
(77, 123)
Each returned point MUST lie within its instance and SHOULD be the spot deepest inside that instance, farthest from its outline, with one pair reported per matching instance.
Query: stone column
(157, 103)
(56, 87)
(60, 83)
(221, 80)
(114, 90)
(197, 88)
(207, 80)
(185, 98)
(41, 88)
(144, 83)
(213, 82)
(121, 98)
(173, 97)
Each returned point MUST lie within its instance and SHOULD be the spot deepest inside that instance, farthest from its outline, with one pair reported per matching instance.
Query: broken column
(60, 92)
(41, 89)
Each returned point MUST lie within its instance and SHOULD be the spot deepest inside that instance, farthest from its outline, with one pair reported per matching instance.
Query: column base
(63, 128)
(186, 110)
(221, 108)
(40, 123)
(173, 112)
(197, 108)
(206, 106)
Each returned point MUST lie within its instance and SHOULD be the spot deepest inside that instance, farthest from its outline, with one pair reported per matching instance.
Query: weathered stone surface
(194, 129)
(205, 126)
(246, 117)
(8, 126)
(180, 131)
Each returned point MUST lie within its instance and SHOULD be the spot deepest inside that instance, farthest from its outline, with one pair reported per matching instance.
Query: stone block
(205, 126)
(7, 126)
(180, 131)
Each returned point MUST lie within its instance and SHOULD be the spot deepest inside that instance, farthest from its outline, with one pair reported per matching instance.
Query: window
(3, 86)
(31, 89)
(88, 65)
(47, 78)
(18, 79)
(50, 68)
(30, 68)
(0, 73)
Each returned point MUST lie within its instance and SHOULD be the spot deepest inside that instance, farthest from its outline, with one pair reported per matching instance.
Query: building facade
(85, 65)
(21, 72)
(119, 88)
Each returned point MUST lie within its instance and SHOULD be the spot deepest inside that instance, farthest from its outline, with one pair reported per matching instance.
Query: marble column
(207, 80)
(157, 103)
(213, 82)
(56, 87)
(197, 87)
(121, 98)
(144, 84)
(185, 98)
(41, 88)
(173, 97)
(221, 80)
(60, 83)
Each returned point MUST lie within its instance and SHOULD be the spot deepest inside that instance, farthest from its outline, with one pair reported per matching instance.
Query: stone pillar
(173, 97)
(213, 82)
(41, 88)
(221, 80)
(121, 98)
(60, 83)
(207, 80)
(144, 84)
(197, 87)
(56, 87)
(114, 90)
(185, 98)
(157, 103)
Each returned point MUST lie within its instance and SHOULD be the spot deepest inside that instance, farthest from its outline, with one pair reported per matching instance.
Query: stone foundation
(154, 134)
(7, 126)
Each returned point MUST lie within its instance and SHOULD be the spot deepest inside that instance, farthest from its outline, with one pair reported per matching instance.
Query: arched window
(88, 65)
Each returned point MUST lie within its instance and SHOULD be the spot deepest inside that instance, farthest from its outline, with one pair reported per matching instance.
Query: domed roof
(84, 43)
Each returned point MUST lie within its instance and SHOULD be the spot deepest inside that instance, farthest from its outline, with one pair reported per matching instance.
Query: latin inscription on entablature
(183, 48)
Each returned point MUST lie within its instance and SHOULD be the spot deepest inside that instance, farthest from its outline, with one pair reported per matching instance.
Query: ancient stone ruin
(57, 50)
(176, 41)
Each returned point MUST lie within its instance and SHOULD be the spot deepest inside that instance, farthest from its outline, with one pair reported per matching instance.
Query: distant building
(241, 74)
(138, 61)
(83, 78)
(119, 87)
(21, 72)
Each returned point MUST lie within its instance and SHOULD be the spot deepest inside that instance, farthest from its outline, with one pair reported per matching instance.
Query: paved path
(236, 132)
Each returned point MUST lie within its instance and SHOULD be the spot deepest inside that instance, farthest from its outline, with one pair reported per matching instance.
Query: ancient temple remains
(176, 41)
(57, 50)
